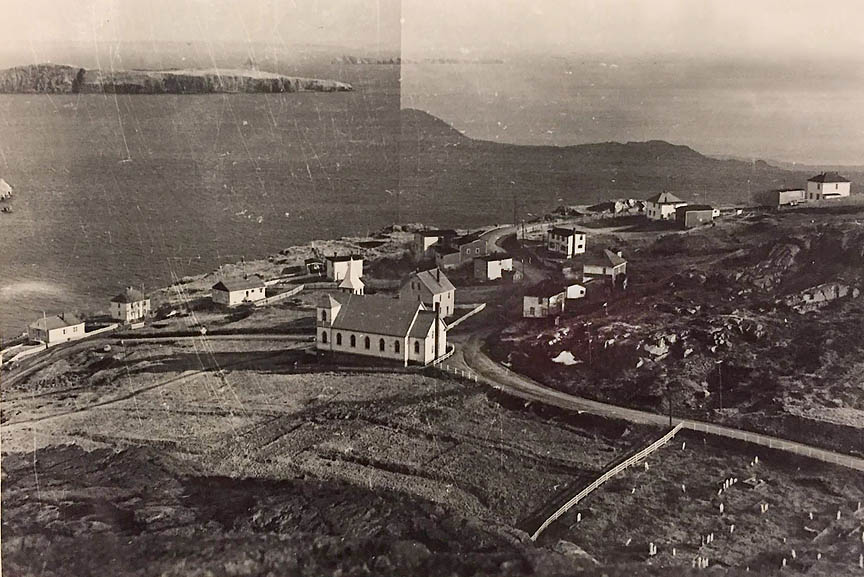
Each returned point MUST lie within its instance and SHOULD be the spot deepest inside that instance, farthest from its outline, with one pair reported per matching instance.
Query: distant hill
(60, 79)
(439, 163)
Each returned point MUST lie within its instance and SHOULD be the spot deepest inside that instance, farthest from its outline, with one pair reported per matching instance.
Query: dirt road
(501, 378)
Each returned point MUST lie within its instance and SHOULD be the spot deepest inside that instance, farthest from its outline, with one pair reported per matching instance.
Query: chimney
(438, 274)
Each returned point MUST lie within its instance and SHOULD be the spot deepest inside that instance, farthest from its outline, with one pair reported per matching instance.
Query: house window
(366, 342)
(416, 347)
(531, 311)
(324, 337)
(396, 346)
(381, 345)
(323, 315)
(339, 339)
(353, 341)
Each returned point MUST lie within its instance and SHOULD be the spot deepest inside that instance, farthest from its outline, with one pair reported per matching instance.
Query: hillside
(754, 322)
(439, 163)
(60, 79)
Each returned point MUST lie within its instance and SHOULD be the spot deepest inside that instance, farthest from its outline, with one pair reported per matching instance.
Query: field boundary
(605, 477)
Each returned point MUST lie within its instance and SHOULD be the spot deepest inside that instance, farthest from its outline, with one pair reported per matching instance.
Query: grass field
(242, 458)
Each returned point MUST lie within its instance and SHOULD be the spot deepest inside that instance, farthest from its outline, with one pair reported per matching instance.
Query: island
(62, 79)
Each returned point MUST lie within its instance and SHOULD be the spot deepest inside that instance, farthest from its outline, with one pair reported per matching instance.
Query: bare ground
(237, 457)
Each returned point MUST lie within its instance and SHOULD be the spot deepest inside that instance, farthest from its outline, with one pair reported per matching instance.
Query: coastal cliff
(61, 79)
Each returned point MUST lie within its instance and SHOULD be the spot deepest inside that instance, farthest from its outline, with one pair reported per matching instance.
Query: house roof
(239, 284)
(425, 320)
(444, 250)
(494, 257)
(443, 232)
(309, 261)
(435, 280)
(129, 295)
(375, 314)
(828, 177)
(561, 231)
(605, 258)
(664, 198)
(468, 238)
(547, 288)
(344, 257)
(59, 321)
(690, 207)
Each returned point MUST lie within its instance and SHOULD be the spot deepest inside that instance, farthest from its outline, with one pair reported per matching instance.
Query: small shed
(693, 215)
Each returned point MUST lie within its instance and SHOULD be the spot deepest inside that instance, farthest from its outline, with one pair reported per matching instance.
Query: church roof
(375, 314)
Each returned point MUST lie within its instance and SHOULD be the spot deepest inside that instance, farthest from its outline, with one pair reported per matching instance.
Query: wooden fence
(605, 477)
(279, 297)
(467, 315)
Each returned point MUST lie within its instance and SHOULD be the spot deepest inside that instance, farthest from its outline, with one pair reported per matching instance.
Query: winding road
(471, 358)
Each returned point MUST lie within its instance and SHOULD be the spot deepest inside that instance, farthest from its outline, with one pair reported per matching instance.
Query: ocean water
(136, 189)
(790, 111)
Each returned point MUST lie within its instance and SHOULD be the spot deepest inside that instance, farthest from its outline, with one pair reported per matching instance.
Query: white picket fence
(605, 477)
(458, 373)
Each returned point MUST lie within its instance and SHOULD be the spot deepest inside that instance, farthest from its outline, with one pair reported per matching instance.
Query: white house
(57, 329)
(433, 289)
(130, 306)
(607, 263)
(662, 206)
(828, 185)
(575, 291)
(565, 241)
(233, 292)
(544, 299)
(492, 266)
(426, 239)
(781, 197)
(337, 266)
(392, 330)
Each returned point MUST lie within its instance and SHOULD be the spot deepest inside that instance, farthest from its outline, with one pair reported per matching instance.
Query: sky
(368, 24)
(770, 29)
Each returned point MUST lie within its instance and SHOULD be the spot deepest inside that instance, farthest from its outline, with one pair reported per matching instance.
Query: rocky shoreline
(61, 79)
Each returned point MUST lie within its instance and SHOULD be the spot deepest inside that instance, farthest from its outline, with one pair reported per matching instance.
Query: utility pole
(720, 381)
(669, 401)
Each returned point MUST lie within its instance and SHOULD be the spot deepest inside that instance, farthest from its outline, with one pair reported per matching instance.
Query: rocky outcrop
(817, 297)
(59, 79)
